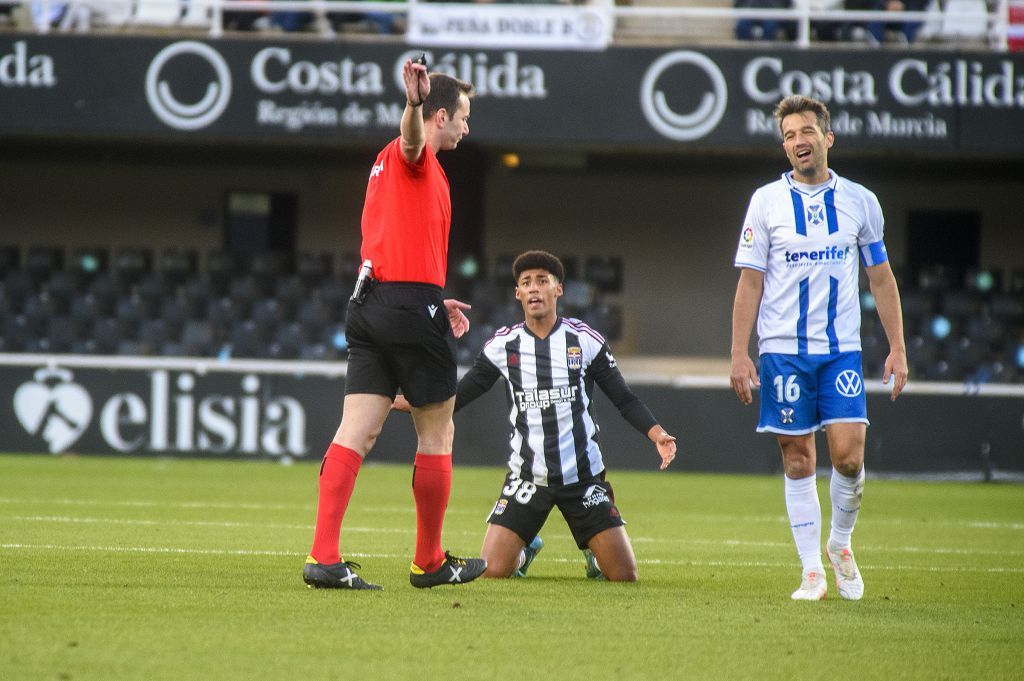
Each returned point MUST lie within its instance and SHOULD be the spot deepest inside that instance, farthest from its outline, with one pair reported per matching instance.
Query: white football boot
(848, 579)
(813, 587)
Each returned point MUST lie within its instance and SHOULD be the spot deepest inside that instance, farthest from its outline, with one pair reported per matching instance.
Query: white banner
(551, 27)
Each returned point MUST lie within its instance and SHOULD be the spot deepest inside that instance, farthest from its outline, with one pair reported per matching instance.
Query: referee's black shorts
(400, 337)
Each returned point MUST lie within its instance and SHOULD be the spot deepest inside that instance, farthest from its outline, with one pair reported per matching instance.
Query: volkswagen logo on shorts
(190, 57)
(848, 383)
(681, 73)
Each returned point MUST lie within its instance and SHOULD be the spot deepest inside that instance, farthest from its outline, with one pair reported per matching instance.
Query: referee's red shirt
(407, 217)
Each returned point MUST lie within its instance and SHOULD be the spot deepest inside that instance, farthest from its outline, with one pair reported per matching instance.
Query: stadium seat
(197, 338)
(243, 340)
(172, 314)
(244, 292)
(36, 313)
(604, 273)
(348, 269)
(130, 265)
(335, 294)
(130, 311)
(10, 260)
(290, 293)
(16, 333)
(104, 291)
(265, 268)
(86, 264)
(571, 265)
(1016, 283)
(577, 296)
(106, 335)
(502, 273)
(177, 266)
(17, 288)
(313, 316)
(288, 341)
(225, 313)
(58, 292)
(41, 262)
(314, 352)
(933, 279)
(960, 305)
(220, 270)
(1007, 307)
(983, 281)
(314, 268)
(152, 336)
(150, 291)
(60, 334)
(266, 315)
(195, 296)
(606, 320)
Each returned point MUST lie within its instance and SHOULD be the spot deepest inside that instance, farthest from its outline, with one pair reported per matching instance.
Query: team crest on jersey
(574, 358)
(815, 213)
(499, 507)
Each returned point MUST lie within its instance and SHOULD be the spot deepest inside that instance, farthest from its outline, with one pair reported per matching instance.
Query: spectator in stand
(875, 31)
(764, 29)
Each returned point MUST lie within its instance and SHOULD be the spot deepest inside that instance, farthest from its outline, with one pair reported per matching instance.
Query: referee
(401, 334)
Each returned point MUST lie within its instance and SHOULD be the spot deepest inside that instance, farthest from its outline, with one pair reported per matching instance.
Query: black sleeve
(476, 382)
(607, 375)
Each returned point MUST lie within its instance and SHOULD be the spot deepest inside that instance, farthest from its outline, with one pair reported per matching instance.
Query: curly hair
(538, 260)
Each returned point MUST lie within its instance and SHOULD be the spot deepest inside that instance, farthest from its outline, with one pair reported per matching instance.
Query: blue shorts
(802, 393)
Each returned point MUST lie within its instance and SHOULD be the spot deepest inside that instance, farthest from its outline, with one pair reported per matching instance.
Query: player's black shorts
(587, 506)
(400, 336)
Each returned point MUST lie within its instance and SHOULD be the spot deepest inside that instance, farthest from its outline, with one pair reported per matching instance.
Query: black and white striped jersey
(550, 385)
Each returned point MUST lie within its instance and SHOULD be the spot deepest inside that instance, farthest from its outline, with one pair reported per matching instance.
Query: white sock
(522, 559)
(805, 520)
(846, 493)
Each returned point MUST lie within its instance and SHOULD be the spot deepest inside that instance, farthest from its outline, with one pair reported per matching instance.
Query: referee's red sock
(431, 487)
(337, 479)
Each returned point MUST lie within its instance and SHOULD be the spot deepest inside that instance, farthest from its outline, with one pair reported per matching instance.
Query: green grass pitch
(186, 569)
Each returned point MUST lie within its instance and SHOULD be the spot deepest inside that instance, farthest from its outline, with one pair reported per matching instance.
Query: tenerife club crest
(815, 214)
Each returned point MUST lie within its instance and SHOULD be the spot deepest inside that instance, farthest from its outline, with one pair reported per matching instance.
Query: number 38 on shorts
(519, 489)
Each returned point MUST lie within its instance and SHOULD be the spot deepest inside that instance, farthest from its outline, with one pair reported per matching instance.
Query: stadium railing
(949, 21)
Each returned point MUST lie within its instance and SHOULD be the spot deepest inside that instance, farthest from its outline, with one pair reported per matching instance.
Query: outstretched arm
(417, 88)
(607, 375)
(477, 381)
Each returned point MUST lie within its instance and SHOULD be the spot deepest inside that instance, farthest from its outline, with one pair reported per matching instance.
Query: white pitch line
(221, 505)
(683, 516)
(196, 523)
(556, 535)
(648, 561)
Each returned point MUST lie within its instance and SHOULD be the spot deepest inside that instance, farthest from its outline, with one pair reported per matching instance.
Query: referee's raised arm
(417, 88)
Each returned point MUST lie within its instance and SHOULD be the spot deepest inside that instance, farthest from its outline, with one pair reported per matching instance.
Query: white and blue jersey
(807, 241)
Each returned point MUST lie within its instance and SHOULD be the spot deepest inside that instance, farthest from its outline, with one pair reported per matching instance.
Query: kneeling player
(550, 365)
